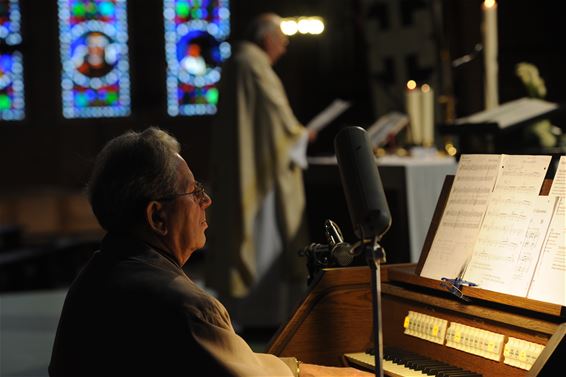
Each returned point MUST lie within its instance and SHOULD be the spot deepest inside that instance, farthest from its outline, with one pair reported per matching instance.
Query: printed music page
(458, 229)
(522, 174)
(558, 187)
(549, 281)
(509, 242)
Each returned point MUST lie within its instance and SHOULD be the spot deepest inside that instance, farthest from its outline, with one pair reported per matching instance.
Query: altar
(412, 186)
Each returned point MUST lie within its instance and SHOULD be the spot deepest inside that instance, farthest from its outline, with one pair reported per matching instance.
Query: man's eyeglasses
(199, 193)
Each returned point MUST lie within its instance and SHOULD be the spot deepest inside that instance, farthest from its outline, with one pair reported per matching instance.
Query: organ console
(485, 337)
(492, 335)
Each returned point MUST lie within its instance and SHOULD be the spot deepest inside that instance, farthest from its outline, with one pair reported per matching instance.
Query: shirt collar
(124, 244)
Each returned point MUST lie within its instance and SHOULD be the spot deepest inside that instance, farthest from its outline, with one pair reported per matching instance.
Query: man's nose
(206, 200)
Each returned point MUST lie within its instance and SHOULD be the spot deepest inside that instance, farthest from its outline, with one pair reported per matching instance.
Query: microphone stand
(375, 254)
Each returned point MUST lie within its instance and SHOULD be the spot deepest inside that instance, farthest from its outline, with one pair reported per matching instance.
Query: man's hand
(313, 370)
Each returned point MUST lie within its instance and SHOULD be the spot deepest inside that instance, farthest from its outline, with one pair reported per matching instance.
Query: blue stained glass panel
(195, 46)
(12, 101)
(10, 22)
(11, 86)
(95, 79)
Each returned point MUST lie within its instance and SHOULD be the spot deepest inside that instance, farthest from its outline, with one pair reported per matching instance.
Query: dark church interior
(366, 54)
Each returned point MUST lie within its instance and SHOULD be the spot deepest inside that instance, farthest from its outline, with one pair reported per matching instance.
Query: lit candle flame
(489, 3)
(411, 84)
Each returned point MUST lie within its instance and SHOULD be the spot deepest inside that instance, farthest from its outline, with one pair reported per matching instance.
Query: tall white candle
(489, 8)
(427, 101)
(413, 103)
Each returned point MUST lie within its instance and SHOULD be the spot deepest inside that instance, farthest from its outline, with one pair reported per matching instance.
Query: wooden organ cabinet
(493, 335)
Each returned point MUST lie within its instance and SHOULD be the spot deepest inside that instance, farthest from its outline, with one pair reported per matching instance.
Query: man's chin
(202, 244)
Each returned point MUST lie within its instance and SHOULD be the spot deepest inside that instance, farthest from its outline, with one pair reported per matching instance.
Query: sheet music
(558, 187)
(522, 174)
(509, 242)
(498, 232)
(549, 281)
(327, 115)
(462, 218)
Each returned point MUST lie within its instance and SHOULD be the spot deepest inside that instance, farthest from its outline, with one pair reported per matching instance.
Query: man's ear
(156, 217)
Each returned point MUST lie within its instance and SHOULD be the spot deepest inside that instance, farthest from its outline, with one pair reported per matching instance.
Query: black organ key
(461, 373)
(427, 365)
(421, 364)
(435, 370)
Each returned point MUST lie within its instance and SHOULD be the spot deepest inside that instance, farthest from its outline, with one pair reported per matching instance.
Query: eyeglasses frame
(199, 192)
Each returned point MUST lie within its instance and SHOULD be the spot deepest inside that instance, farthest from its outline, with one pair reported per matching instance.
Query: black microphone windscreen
(362, 185)
(343, 254)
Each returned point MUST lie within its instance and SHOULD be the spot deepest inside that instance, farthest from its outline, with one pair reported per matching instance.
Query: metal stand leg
(373, 256)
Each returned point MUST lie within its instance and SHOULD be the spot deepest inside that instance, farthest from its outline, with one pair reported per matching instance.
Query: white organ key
(390, 368)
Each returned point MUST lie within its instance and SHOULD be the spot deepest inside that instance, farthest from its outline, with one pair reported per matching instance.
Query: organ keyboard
(398, 362)
(485, 337)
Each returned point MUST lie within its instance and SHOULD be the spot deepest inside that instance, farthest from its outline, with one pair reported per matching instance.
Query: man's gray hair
(261, 26)
(131, 170)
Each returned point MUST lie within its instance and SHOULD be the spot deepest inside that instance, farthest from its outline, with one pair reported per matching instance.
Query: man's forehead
(185, 174)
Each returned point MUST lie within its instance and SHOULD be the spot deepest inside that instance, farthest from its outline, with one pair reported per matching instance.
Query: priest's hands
(312, 135)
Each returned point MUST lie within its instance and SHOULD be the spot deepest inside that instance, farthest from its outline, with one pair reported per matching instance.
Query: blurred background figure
(258, 152)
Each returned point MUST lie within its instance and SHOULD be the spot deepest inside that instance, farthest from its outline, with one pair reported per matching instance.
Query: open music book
(511, 113)
(499, 233)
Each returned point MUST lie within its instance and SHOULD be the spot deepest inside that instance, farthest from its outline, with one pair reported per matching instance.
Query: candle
(427, 101)
(491, 96)
(413, 103)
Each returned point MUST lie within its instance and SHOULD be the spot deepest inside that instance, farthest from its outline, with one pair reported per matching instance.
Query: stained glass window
(93, 36)
(195, 46)
(12, 103)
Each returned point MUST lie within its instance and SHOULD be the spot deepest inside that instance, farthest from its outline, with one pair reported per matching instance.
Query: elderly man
(132, 311)
(258, 220)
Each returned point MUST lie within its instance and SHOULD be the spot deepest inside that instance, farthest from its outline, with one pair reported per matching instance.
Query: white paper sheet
(298, 153)
(462, 218)
(511, 113)
(558, 187)
(549, 281)
(509, 242)
(327, 115)
(522, 174)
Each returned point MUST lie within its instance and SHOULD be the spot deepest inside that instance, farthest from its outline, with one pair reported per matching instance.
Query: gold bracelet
(298, 368)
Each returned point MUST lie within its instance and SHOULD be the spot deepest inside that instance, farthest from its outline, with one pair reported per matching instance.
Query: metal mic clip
(333, 233)
(342, 252)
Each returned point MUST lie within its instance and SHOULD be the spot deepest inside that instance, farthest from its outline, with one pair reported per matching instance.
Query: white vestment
(257, 220)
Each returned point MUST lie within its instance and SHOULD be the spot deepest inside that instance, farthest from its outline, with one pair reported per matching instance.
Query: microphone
(369, 213)
(336, 249)
(324, 255)
(344, 254)
(360, 178)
